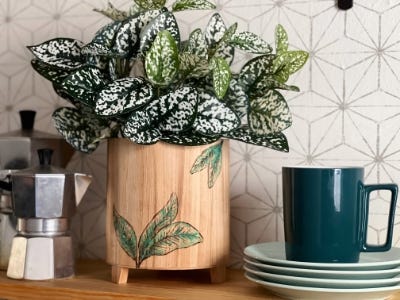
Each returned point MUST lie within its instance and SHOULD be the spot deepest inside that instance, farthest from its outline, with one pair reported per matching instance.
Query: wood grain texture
(140, 181)
(92, 283)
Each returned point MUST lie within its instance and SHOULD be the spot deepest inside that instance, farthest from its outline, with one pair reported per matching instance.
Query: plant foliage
(137, 79)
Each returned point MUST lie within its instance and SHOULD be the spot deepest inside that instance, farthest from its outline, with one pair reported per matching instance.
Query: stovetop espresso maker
(44, 199)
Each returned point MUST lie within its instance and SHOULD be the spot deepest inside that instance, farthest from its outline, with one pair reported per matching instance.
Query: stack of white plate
(375, 276)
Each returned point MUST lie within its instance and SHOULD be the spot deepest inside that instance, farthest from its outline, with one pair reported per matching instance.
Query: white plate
(274, 254)
(323, 283)
(334, 274)
(311, 293)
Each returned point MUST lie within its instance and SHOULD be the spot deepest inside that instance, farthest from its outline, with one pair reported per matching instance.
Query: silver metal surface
(43, 227)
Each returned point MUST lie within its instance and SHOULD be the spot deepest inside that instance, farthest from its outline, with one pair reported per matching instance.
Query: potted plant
(144, 89)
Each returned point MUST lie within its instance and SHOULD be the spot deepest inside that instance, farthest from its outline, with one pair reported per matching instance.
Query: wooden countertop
(92, 281)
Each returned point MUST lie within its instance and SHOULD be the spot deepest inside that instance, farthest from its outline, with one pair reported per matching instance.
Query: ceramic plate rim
(341, 274)
(385, 264)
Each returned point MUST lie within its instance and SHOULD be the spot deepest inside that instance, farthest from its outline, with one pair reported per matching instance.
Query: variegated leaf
(215, 30)
(127, 38)
(221, 76)
(123, 95)
(250, 42)
(81, 131)
(269, 113)
(180, 5)
(236, 98)
(276, 141)
(214, 118)
(202, 161)
(64, 53)
(83, 84)
(266, 83)
(139, 129)
(163, 218)
(150, 4)
(164, 21)
(50, 72)
(254, 69)
(188, 138)
(281, 39)
(113, 13)
(174, 111)
(175, 236)
(60, 92)
(125, 234)
(192, 66)
(162, 60)
(197, 44)
(225, 51)
(103, 40)
(291, 61)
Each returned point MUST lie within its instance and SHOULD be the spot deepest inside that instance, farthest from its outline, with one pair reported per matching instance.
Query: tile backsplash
(347, 113)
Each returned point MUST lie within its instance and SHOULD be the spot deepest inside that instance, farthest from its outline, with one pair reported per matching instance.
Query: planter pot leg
(119, 274)
(218, 274)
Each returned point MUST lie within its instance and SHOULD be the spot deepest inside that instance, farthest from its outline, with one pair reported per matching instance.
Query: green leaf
(150, 4)
(174, 111)
(269, 113)
(125, 234)
(175, 236)
(211, 158)
(165, 21)
(180, 5)
(250, 42)
(292, 61)
(276, 141)
(256, 69)
(214, 117)
(197, 44)
(123, 95)
(221, 76)
(139, 128)
(162, 60)
(63, 53)
(80, 128)
(49, 72)
(192, 66)
(266, 83)
(161, 219)
(112, 13)
(281, 39)
(188, 138)
(236, 98)
(83, 84)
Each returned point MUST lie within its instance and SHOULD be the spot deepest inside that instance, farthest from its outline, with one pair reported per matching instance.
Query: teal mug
(326, 213)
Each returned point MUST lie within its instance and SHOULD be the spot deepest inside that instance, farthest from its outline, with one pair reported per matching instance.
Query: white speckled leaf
(180, 5)
(214, 117)
(150, 4)
(162, 60)
(164, 21)
(269, 113)
(192, 66)
(281, 39)
(197, 44)
(103, 40)
(188, 138)
(139, 128)
(291, 61)
(112, 12)
(49, 72)
(123, 95)
(236, 98)
(250, 42)
(64, 53)
(83, 84)
(175, 111)
(254, 69)
(215, 30)
(221, 76)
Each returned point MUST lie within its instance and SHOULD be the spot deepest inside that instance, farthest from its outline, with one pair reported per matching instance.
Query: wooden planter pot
(161, 212)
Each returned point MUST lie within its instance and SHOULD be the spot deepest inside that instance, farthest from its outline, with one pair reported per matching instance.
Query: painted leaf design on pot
(197, 44)
(269, 113)
(192, 4)
(276, 141)
(165, 21)
(214, 117)
(64, 53)
(210, 158)
(162, 60)
(174, 111)
(164, 217)
(139, 129)
(83, 84)
(150, 4)
(80, 128)
(125, 234)
(175, 236)
(53, 74)
(221, 76)
(250, 42)
(123, 95)
(188, 138)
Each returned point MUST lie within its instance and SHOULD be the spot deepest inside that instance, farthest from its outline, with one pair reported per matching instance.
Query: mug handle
(367, 189)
